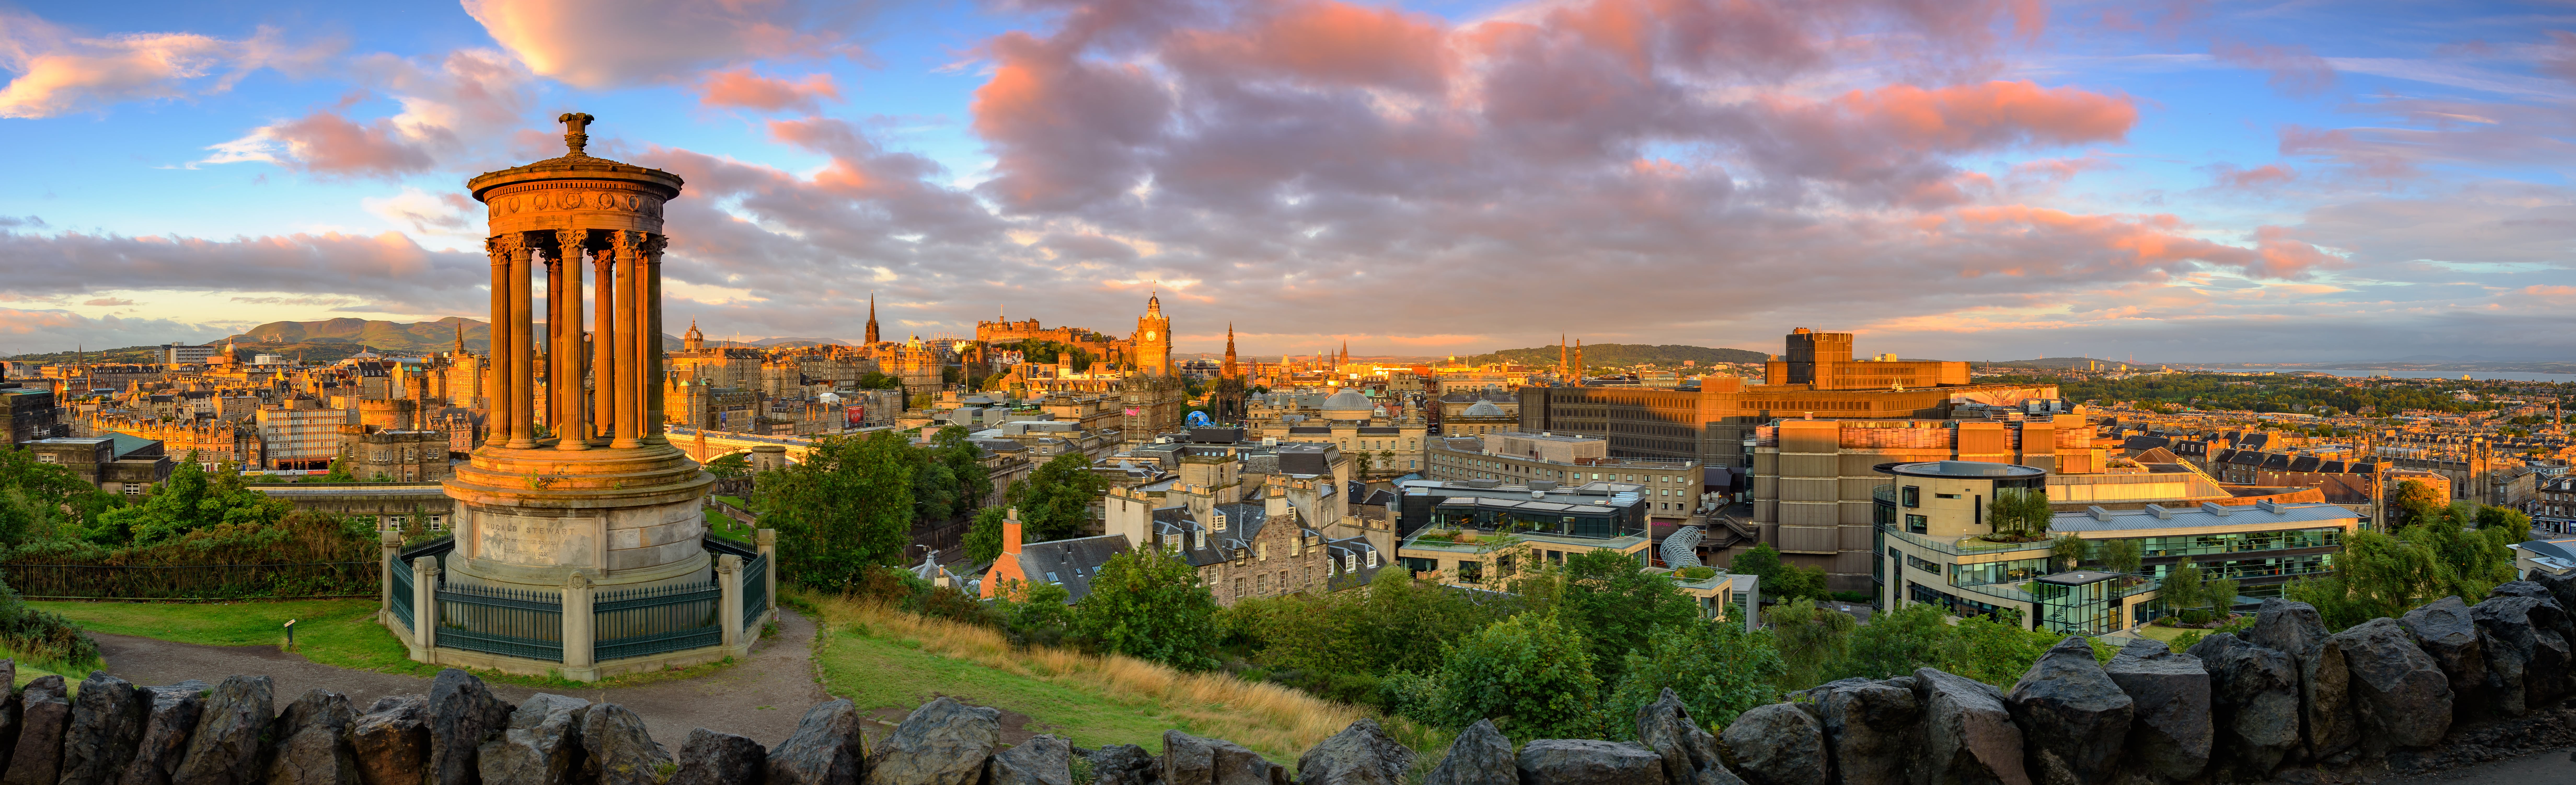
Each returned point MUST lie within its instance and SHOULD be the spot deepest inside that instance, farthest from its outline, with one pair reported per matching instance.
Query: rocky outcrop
(1589, 762)
(826, 748)
(2170, 736)
(229, 746)
(107, 723)
(170, 715)
(1690, 753)
(617, 750)
(1872, 728)
(2254, 692)
(1362, 754)
(10, 710)
(2399, 693)
(711, 758)
(942, 743)
(1968, 734)
(2527, 652)
(1480, 756)
(1123, 764)
(2445, 631)
(2328, 727)
(44, 713)
(462, 715)
(540, 746)
(1045, 759)
(1193, 760)
(391, 741)
(2073, 718)
(1778, 744)
(312, 745)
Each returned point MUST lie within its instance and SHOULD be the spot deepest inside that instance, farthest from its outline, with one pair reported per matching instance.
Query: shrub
(1528, 674)
(1698, 573)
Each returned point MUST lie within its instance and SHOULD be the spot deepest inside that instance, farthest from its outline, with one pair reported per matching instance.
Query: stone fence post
(424, 608)
(768, 541)
(579, 629)
(390, 542)
(729, 604)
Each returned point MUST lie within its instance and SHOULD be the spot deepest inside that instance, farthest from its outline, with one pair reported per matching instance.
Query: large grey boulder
(1589, 762)
(1968, 734)
(1123, 764)
(2561, 588)
(1362, 754)
(391, 741)
(10, 710)
(170, 715)
(462, 715)
(2444, 630)
(1779, 744)
(44, 714)
(618, 750)
(1480, 756)
(312, 742)
(2255, 694)
(2170, 738)
(107, 721)
(2527, 654)
(1873, 729)
(229, 746)
(2294, 628)
(2399, 692)
(540, 746)
(1045, 759)
(942, 743)
(711, 758)
(2519, 589)
(1193, 760)
(826, 748)
(1690, 753)
(2073, 717)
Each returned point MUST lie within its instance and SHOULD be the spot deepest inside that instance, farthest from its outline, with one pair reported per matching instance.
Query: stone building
(116, 463)
(1153, 339)
(1153, 404)
(395, 454)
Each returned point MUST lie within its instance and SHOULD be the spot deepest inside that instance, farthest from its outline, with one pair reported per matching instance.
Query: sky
(1955, 179)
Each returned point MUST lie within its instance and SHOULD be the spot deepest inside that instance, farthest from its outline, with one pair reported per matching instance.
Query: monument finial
(576, 131)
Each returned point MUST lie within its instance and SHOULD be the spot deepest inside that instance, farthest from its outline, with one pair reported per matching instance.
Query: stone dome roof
(1348, 405)
(1483, 409)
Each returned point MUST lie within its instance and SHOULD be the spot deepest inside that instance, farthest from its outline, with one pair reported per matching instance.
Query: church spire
(872, 318)
(1229, 370)
(460, 336)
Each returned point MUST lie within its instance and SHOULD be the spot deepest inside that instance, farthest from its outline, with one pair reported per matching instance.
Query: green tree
(2070, 550)
(1404, 621)
(1055, 501)
(1149, 605)
(2019, 513)
(2125, 556)
(2515, 524)
(955, 447)
(192, 499)
(730, 465)
(1777, 579)
(2181, 590)
(983, 539)
(340, 471)
(2415, 502)
(1716, 668)
(1611, 601)
(1811, 638)
(846, 508)
(1528, 673)
(1894, 643)
(934, 488)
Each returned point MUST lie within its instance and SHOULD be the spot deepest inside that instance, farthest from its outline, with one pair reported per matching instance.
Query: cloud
(2296, 72)
(59, 71)
(110, 301)
(2227, 175)
(459, 106)
(388, 267)
(742, 88)
(596, 44)
(56, 330)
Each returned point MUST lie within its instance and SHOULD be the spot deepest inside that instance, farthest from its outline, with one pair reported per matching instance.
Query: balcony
(1960, 546)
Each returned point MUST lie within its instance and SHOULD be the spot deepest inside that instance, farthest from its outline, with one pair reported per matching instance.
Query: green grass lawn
(880, 673)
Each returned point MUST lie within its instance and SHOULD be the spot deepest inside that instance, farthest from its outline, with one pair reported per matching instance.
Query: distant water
(2517, 376)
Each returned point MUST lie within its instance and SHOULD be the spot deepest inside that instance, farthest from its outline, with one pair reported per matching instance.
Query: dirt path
(2546, 766)
(762, 698)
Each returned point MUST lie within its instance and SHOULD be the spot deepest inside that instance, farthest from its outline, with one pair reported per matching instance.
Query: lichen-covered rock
(1124, 764)
(826, 748)
(1045, 759)
(2294, 628)
(2255, 694)
(1480, 756)
(44, 713)
(313, 742)
(1874, 730)
(1690, 753)
(462, 715)
(2171, 736)
(391, 741)
(2399, 693)
(711, 758)
(171, 715)
(1195, 760)
(942, 743)
(1778, 744)
(2445, 631)
(1968, 734)
(2073, 717)
(1589, 762)
(2527, 654)
(617, 750)
(2519, 589)
(540, 746)
(107, 721)
(1361, 754)
(2561, 588)
(229, 746)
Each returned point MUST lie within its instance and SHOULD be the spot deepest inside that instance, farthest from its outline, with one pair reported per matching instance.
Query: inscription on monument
(529, 542)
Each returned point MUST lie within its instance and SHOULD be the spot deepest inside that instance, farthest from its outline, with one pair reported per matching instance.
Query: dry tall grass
(1278, 722)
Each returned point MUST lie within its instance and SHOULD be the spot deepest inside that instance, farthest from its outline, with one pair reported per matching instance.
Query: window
(1372, 561)
(134, 489)
(1310, 576)
(1351, 562)
(1910, 496)
(1050, 576)
(1238, 588)
(1916, 524)
(437, 522)
(396, 522)
(46, 457)
(1201, 536)
(1261, 584)
(1945, 496)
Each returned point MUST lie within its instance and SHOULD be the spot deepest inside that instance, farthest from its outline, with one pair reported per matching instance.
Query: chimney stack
(1011, 532)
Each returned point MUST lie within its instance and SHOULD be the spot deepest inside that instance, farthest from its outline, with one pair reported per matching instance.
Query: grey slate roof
(1072, 563)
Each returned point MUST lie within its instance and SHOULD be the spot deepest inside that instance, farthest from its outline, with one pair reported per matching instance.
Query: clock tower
(1154, 339)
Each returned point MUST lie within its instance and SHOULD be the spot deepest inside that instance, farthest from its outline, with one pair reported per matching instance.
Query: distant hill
(1600, 355)
(2070, 362)
(400, 338)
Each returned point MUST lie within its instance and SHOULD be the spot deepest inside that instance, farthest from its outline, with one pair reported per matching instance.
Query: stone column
(628, 396)
(652, 312)
(768, 543)
(578, 629)
(550, 405)
(424, 609)
(572, 428)
(391, 543)
(729, 604)
(606, 332)
(497, 416)
(521, 396)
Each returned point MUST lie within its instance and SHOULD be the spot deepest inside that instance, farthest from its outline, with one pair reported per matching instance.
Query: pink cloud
(742, 88)
(605, 43)
(1988, 115)
(60, 71)
(2295, 70)
(459, 106)
(1328, 42)
(2265, 176)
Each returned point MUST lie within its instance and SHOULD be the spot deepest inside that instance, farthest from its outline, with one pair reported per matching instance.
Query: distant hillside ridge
(408, 338)
(1599, 355)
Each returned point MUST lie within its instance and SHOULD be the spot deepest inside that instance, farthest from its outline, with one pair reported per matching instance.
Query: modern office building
(1672, 488)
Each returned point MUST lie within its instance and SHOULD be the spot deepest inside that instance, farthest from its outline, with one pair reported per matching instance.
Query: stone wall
(2448, 685)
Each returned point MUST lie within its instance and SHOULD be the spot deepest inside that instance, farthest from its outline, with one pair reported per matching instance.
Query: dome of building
(828, 398)
(1483, 409)
(1347, 405)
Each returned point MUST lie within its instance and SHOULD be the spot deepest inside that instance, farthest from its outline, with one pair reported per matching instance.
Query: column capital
(653, 245)
(501, 246)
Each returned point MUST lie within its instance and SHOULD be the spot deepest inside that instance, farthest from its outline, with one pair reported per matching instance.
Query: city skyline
(1977, 181)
